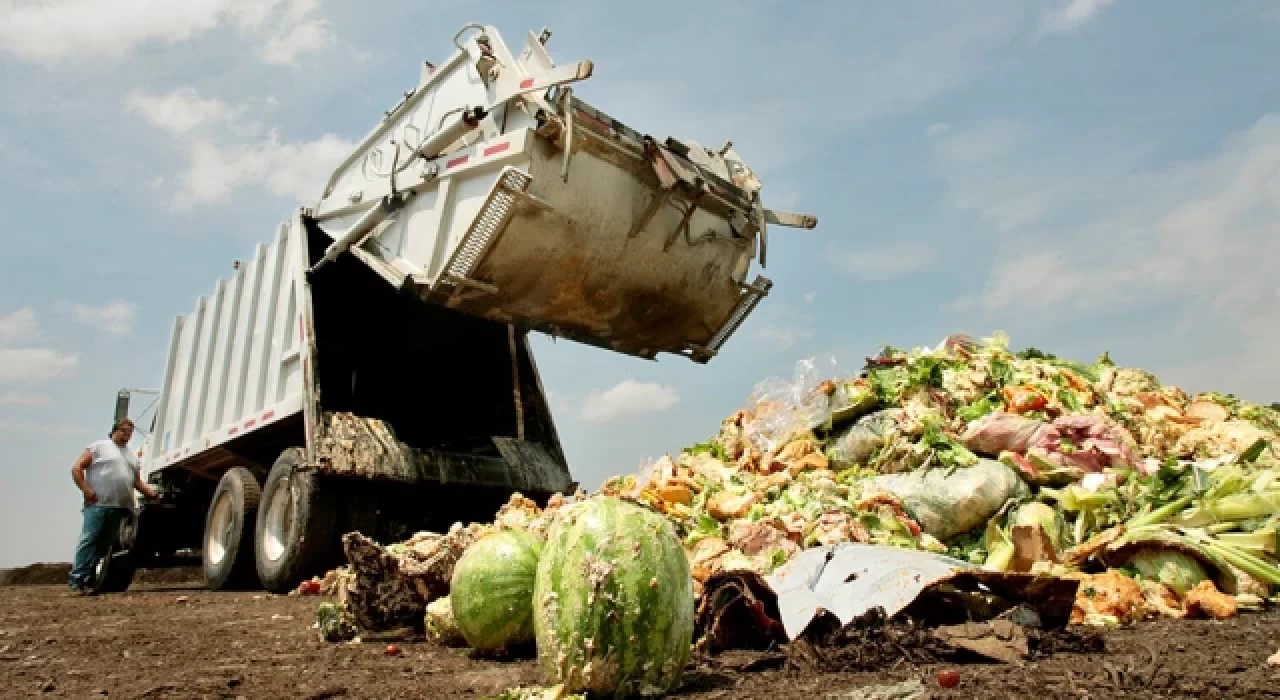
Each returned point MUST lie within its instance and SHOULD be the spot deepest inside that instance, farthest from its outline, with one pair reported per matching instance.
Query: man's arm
(143, 486)
(77, 475)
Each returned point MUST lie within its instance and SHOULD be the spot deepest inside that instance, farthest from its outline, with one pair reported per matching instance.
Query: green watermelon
(491, 591)
(613, 600)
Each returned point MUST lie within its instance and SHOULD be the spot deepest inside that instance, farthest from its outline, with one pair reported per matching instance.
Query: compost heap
(1159, 502)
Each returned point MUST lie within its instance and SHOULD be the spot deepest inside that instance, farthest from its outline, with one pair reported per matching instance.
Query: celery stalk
(1237, 506)
(1256, 542)
(1254, 566)
(1162, 513)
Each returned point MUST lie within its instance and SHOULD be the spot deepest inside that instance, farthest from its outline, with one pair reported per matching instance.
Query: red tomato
(1021, 399)
(948, 678)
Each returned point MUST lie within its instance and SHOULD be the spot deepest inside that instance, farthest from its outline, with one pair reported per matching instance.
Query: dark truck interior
(443, 380)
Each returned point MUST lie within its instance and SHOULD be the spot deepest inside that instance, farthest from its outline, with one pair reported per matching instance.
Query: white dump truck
(369, 369)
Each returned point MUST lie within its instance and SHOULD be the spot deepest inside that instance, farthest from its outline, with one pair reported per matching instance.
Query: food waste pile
(1028, 476)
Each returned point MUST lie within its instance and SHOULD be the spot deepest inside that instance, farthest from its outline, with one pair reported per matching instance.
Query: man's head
(121, 431)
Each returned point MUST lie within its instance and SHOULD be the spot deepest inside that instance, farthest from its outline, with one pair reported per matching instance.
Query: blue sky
(1087, 175)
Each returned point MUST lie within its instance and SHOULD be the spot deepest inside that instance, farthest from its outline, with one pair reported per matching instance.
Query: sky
(1086, 175)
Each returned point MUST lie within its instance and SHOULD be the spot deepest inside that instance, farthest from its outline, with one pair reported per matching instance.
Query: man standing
(107, 475)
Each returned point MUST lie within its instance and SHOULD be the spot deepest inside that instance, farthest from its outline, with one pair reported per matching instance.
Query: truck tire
(296, 524)
(228, 531)
(116, 569)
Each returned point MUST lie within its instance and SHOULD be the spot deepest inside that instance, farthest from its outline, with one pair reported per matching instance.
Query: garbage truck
(369, 367)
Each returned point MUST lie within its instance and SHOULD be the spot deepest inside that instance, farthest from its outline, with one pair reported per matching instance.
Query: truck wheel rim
(220, 530)
(279, 529)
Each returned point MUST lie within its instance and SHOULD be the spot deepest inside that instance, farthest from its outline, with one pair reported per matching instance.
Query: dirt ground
(164, 640)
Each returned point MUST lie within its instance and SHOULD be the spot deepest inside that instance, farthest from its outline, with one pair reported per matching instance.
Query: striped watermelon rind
(492, 590)
(613, 600)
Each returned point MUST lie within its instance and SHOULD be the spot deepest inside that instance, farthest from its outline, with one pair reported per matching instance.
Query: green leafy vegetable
(710, 447)
(1001, 371)
(943, 449)
(1177, 570)
(1070, 401)
(889, 383)
(925, 371)
(979, 408)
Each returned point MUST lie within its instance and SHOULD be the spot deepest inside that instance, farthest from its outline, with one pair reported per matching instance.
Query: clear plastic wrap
(782, 409)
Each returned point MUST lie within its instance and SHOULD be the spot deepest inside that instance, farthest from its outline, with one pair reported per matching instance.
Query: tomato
(948, 678)
(393, 650)
(1021, 399)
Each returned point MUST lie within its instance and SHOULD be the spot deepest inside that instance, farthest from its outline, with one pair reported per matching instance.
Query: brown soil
(46, 573)
(179, 641)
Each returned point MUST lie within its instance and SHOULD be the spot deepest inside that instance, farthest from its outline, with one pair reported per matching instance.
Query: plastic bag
(856, 445)
(781, 409)
(946, 502)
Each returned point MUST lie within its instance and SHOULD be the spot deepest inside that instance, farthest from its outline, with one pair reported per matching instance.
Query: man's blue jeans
(101, 523)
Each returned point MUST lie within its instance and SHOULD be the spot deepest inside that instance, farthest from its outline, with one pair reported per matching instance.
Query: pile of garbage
(1019, 462)
(972, 460)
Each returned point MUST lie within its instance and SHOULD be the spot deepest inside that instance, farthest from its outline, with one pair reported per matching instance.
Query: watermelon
(613, 600)
(491, 591)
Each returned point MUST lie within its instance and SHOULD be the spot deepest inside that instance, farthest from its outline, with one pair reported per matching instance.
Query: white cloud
(1198, 238)
(13, 398)
(1073, 14)
(115, 317)
(883, 263)
(181, 110)
(18, 325)
(627, 399)
(298, 170)
(34, 365)
(307, 37)
(226, 153)
(49, 31)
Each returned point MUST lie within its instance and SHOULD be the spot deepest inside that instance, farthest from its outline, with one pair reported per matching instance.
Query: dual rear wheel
(274, 534)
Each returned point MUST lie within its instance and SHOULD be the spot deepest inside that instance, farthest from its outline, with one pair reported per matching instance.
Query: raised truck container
(369, 368)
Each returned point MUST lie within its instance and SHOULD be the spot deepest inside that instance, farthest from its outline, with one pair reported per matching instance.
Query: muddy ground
(165, 640)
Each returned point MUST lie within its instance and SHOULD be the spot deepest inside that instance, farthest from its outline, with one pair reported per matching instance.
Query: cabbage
(1047, 517)
(1177, 570)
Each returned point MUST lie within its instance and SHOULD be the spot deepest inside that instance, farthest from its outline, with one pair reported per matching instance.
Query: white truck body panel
(491, 190)
(237, 362)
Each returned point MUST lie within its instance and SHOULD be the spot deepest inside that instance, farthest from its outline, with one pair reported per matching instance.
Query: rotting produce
(1149, 500)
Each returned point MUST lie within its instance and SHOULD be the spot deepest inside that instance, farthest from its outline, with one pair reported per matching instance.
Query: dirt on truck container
(369, 370)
